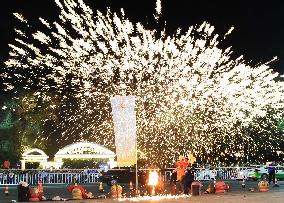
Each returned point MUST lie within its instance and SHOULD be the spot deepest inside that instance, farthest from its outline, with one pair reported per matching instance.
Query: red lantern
(6, 164)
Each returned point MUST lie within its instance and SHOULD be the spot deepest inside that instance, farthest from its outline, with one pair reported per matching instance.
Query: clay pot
(116, 191)
(220, 187)
(263, 186)
(34, 194)
(77, 193)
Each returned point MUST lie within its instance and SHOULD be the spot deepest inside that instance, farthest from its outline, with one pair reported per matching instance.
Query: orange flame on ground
(153, 178)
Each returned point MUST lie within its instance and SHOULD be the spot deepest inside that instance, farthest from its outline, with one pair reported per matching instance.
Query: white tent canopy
(84, 150)
(79, 150)
(33, 155)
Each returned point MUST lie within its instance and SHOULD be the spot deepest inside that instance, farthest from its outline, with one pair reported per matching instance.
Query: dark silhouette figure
(271, 172)
(188, 180)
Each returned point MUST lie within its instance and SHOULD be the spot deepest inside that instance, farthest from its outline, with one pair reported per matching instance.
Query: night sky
(258, 33)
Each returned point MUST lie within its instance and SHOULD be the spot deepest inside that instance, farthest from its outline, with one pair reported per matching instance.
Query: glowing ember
(154, 198)
(153, 178)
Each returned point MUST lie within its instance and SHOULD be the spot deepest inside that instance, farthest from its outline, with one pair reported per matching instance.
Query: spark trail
(190, 94)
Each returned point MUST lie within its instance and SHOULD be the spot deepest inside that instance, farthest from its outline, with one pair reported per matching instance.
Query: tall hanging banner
(124, 119)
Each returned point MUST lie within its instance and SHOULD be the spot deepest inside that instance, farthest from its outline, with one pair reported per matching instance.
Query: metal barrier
(222, 173)
(13, 177)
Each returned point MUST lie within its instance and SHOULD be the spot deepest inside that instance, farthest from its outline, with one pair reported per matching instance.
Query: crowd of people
(183, 175)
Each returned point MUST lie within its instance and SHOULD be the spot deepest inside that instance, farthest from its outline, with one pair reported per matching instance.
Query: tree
(9, 143)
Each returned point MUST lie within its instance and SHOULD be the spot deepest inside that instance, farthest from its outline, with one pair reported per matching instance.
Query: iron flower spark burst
(191, 95)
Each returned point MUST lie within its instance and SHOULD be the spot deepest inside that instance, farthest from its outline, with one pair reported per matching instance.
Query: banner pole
(136, 156)
(136, 175)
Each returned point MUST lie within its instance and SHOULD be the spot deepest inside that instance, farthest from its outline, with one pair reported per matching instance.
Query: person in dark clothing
(271, 172)
(173, 174)
(188, 179)
(23, 192)
(173, 178)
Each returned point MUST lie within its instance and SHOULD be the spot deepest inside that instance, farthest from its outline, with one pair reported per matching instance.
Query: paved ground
(232, 197)
(238, 195)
